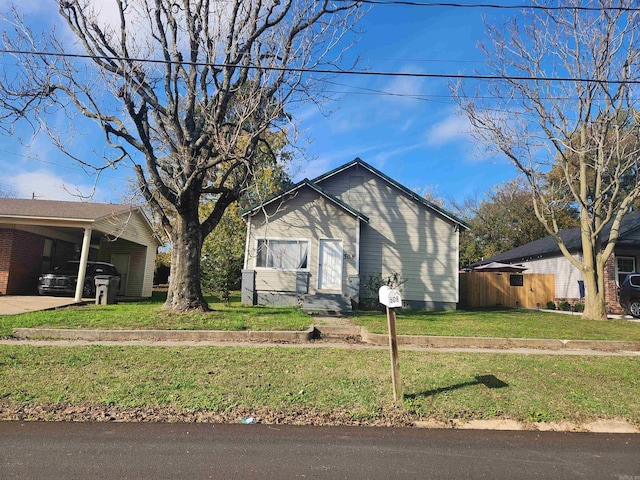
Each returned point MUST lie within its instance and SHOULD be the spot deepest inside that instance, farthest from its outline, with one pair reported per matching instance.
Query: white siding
(141, 265)
(566, 275)
(132, 227)
(131, 235)
(305, 215)
(402, 236)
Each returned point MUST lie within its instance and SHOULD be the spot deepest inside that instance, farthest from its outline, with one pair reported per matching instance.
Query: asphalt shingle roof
(572, 239)
(19, 207)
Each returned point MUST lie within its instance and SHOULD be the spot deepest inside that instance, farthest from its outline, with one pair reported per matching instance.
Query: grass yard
(304, 385)
(501, 323)
(147, 314)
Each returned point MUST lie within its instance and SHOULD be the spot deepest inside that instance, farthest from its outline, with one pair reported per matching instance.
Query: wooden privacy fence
(488, 289)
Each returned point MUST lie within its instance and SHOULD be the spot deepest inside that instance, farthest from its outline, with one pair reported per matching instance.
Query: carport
(38, 235)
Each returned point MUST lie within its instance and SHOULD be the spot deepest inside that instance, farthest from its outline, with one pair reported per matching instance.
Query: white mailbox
(390, 297)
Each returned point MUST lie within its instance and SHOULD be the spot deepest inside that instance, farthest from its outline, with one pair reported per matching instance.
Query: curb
(165, 335)
(497, 342)
(333, 332)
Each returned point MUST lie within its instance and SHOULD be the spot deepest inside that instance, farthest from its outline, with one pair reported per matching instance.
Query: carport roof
(55, 209)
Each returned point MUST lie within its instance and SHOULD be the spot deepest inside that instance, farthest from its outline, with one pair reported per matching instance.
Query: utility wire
(410, 3)
(329, 71)
(49, 162)
(426, 96)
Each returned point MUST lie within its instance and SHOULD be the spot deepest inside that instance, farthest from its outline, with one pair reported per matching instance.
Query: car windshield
(69, 268)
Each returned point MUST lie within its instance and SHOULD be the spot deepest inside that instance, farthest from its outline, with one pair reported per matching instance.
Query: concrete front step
(326, 303)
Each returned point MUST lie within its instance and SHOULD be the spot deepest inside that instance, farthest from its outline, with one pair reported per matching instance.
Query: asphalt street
(34, 450)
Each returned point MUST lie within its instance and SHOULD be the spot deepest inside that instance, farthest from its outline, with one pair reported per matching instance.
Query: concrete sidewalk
(16, 304)
(319, 336)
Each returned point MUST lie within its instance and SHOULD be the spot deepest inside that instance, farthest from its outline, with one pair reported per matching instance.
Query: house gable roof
(55, 209)
(307, 183)
(548, 246)
(66, 213)
(414, 196)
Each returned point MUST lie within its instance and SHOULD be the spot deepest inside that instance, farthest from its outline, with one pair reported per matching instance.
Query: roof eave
(396, 184)
(314, 187)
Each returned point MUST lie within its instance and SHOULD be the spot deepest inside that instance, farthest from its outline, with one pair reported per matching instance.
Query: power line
(410, 3)
(49, 162)
(326, 71)
(429, 96)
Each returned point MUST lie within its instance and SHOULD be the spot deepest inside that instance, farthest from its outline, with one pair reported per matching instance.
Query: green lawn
(501, 323)
(147, 314)
(294, 385)
(481, 323)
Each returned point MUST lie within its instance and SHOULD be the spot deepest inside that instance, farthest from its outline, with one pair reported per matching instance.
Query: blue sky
(420, 142)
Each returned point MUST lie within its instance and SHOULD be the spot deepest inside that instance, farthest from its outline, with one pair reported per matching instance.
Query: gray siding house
(544, 256)
(317, 244)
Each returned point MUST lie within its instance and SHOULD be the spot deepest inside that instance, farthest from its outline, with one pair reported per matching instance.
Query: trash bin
(106, 289)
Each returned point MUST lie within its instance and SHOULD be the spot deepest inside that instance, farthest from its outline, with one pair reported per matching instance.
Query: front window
(282, 254)
(624, 266)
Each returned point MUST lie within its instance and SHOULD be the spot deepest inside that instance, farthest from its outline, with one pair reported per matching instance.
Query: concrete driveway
(15, 304)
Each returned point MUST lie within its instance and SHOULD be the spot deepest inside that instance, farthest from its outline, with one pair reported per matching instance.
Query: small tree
(223, 254)
(565, 95)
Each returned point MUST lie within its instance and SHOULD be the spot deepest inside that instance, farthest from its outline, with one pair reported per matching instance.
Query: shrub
(579, 307)
(551, 305)
(373, 284)
(565, 306)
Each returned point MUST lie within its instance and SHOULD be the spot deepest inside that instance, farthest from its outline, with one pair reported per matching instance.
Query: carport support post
(82, 268)
(395, 361)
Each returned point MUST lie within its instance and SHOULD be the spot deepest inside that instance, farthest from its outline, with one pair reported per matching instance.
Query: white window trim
(618, 272)
(288, 239)
(318, 269)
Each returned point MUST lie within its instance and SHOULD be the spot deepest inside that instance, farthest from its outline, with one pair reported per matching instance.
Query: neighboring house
(544, 256)
(318, 244)
(38, 235)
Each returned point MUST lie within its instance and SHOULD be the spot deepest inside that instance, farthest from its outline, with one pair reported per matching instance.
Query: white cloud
(381, 159)
(402, 89)
(452, 128)
(46, 185)
(330, 160)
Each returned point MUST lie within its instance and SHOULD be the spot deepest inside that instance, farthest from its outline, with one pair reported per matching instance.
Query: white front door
(330, 265)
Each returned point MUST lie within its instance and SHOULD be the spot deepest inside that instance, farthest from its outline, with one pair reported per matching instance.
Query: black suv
(629, 294)
(62, 281)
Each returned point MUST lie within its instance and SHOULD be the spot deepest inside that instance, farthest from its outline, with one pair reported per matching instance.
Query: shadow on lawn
(489, 381)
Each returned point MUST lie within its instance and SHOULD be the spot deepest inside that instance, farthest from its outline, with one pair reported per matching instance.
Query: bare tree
(186, 91)
(567, 97)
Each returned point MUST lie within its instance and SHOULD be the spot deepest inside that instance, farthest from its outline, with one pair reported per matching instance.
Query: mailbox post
(392, 299)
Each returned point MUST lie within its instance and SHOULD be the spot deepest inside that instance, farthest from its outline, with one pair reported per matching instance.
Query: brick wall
(20, 260)
(610, 287)
(26, 259)
(6, 241)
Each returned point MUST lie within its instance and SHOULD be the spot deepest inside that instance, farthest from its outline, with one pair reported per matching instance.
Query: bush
(551, 305)
(578, 307)
(565, 306)
(373, 284)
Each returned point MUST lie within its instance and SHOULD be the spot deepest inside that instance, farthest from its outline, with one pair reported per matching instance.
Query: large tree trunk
(595, 306)
(185, 292)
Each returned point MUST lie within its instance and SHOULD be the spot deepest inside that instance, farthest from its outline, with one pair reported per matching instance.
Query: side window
(634, 280)
(624, 266)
